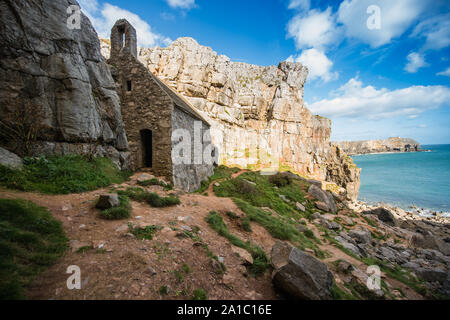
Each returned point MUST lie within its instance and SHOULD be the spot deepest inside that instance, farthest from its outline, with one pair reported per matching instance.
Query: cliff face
(57, 77)
(257, 113)
(377, 146)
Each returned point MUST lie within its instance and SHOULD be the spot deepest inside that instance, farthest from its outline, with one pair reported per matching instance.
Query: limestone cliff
(252, 108)
(55, 78)
(377, 146)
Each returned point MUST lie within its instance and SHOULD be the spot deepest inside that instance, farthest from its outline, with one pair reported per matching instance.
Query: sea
(420, 179)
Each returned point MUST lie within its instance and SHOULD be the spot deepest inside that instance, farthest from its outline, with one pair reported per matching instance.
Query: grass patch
(340, 294)
(260, 259)
(279, 228)
(122, 211)
(153, 199)
(265, 194)
(144, 233)
(62, 175)
(199, 294)
(163, 290)
(155, 182)
(221, 172)
(31, 241)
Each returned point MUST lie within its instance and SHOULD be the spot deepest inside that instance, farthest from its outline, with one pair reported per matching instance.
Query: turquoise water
(403, 179)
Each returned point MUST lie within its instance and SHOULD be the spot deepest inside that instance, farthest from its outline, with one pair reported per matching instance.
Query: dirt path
(121, 267)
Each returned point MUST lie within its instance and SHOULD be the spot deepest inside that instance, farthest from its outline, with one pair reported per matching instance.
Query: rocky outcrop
(257, 113)
(324, 197)
(58, 76)
(299, 274)
(378, 146)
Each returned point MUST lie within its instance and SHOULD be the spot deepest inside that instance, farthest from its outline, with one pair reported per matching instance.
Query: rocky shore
(425, 250)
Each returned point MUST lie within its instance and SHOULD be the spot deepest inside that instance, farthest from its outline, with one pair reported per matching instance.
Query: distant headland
(379, 146)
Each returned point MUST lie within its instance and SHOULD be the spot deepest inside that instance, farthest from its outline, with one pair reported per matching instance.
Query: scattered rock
(301, 227)
(284, 198)
(299, 274)
(344, 266)
(145, 177)
(243, 254)
(348, 221)
(321, 206)
(151, 271)
(107, 201)
(300, 207)
(186, 228)
(122, 229)
(76, 245)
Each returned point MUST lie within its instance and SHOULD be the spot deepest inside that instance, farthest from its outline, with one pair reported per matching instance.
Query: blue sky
(378, 68)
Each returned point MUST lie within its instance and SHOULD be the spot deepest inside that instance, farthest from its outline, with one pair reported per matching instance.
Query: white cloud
(436, 30)
(183, 4)
(353, 100)
(415, 62)
(318, 64)
(316, 29)
(446, 73)
(299, 4)
(396, 17)
(104, 17)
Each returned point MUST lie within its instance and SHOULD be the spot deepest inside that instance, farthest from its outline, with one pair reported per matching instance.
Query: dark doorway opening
(147, 153)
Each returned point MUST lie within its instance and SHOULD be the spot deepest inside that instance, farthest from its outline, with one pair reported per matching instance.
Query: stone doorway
(147, 148)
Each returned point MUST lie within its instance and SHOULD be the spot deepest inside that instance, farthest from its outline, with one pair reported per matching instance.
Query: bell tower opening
(147, 148)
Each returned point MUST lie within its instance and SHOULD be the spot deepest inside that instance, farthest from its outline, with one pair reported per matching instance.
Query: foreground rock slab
(10, 160)
(300, 275)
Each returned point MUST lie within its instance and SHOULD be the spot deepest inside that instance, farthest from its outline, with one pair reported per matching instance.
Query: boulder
(349, 246)
(10, 160)
(108, 201)
(432, 275)
(383, 215)
(299, 274)
(324, 197)
(361, 235)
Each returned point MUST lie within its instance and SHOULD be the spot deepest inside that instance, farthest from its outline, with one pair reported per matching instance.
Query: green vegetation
(221, 172)
(144, 233)
(341, 294)
(280, 180)
(155, 182)
(31, 241)
(153, 199)
(260, 259)
(199, 294)
(122, 211)
(163, 290)
(279, 228)
(62, 175)
(186, 268)
(257, 190)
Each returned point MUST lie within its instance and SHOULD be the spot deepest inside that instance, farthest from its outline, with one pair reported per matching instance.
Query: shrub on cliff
(31, 240)
(62, 175)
